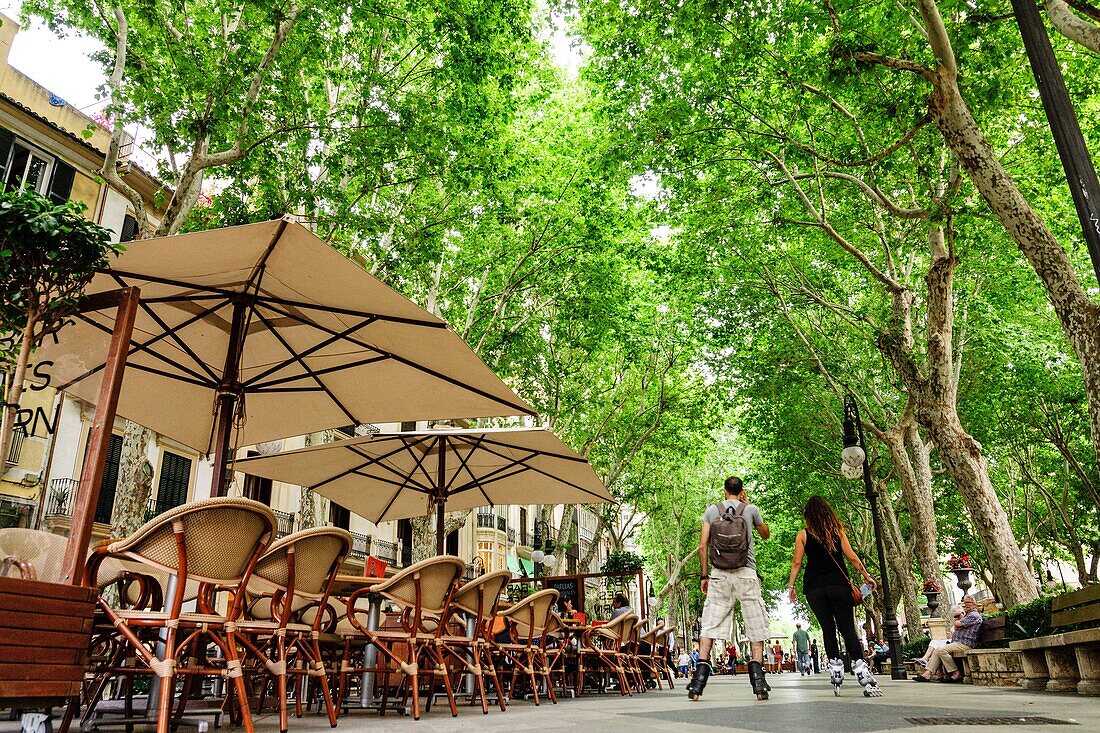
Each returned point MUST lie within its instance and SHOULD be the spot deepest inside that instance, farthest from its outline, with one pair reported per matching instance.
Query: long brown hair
(821, 522)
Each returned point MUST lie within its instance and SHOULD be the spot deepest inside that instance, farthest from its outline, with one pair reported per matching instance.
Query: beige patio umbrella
(266, 331)
(396, 475)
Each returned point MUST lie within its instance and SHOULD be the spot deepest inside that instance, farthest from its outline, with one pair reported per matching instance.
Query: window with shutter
(339, 516)
(129, 229)
(7, 139)
(61, 183)
(105, 505)
(175, 477)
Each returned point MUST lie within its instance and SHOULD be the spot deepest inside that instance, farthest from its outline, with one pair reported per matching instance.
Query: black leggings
(832, 605)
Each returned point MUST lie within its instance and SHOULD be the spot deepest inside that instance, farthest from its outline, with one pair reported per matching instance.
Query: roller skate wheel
(836, 691)
(761, 696)
(693, 698)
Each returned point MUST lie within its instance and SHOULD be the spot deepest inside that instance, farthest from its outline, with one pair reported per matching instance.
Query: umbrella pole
(227, 401)
(441, 487)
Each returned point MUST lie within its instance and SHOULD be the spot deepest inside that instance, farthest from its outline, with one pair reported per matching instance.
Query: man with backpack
(728, 564)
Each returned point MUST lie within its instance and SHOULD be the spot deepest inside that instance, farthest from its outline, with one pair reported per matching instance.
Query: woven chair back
(220, 537)
(531, 616)
(317, 552)
(42, 552)
(480, 596)
(427, 584)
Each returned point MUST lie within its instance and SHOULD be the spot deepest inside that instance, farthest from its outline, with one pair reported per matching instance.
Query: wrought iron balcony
(17, 437)
(502, 524)
(486, 521)
(360, 547)
(284, 524)
(511, 536)
(385, 551)
(59, 502)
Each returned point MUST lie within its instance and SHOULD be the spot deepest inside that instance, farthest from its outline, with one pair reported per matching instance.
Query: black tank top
(823, 567)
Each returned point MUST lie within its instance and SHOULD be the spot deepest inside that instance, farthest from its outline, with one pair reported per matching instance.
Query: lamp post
(855, 460)
(543, 554)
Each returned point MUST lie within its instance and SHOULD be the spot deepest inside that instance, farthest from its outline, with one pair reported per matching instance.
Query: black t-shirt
(823, 568)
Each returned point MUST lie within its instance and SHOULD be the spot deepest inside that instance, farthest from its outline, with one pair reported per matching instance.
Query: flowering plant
(962, 562)
(931, 586)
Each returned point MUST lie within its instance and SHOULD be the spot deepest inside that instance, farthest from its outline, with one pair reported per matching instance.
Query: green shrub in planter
(915, 649)
(1028, 620)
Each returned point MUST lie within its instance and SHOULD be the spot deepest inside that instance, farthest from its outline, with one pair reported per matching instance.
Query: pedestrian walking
(824, 546)
(802, 649)
(727, 560)
(814, 656)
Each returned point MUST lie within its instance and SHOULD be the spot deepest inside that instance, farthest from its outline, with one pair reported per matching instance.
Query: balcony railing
(284, 524)
(502, 524)
(17, 437)
(360, 547)
(486, 521)
(59, 502)
(511, 536)
(385, 551)
(406, 556)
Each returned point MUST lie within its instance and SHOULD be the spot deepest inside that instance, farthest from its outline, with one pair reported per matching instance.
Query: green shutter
(105, 506)
(175, 475)
(61, 184)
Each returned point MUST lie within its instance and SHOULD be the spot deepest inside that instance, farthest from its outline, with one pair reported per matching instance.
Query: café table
(344, 586)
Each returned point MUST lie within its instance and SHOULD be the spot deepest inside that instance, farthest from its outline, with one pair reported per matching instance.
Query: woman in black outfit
(824, 545)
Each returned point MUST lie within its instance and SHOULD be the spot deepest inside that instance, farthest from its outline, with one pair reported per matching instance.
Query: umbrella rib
(279, 337)
(261, 264)
(393, 498)
(523, 462)
(378, 461)
(298, 357)
(285, 390)
(407, 483)
(268, 301)
(170, 331)
(464, 463)
(419, 463)
(318, 372)
(538, 471)
(538, 451)
(143, 347)
(414, 365)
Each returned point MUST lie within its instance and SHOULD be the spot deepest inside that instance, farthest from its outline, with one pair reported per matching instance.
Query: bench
(1068, 661)
(989, 664)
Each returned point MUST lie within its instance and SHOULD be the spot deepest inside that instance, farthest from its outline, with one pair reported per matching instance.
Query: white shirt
(684, 660)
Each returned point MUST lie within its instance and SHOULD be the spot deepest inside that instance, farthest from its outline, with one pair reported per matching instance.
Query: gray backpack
(729, 539)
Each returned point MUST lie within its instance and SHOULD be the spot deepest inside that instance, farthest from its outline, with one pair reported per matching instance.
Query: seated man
(934, 644)
(964, 637)
(620, 604)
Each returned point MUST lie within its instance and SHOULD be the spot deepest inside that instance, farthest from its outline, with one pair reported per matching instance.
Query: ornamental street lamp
(543, 553)
(855, 463)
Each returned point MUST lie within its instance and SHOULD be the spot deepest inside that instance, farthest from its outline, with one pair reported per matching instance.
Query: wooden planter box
(44, 633)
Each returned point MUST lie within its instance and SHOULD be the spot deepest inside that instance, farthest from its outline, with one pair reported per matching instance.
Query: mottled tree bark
(135, 481)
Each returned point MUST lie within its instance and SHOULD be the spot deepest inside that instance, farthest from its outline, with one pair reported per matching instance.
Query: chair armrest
(26, 570)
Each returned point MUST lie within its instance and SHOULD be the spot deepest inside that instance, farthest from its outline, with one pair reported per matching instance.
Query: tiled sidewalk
(797, 704)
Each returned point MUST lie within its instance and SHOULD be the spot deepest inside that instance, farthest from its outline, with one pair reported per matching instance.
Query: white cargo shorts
(726, 588)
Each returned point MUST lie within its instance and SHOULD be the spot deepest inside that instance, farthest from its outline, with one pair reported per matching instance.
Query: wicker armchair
(215, 542)
(529, 621)
(478, 601)
(297, 570)
(601, 650)
(423, 591)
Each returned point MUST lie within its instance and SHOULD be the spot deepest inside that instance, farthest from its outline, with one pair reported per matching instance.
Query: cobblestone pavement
(796, 704)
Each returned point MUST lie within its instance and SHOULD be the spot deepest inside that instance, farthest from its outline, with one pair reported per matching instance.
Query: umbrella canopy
(288, 335)
(395, 475)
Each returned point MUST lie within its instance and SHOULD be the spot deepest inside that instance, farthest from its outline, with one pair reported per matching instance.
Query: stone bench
(997, 661)
(1070, 661)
